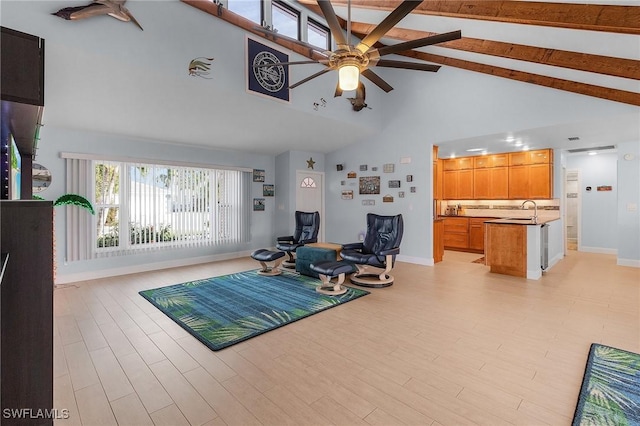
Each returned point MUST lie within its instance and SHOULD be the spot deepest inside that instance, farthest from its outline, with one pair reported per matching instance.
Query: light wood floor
(445, 345)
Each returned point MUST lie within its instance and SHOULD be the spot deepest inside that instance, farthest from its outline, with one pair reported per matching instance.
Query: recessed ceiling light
(518, 143)
(592, 153)
(510, 139)
(525, 148)
(452, 156)
(476, 149)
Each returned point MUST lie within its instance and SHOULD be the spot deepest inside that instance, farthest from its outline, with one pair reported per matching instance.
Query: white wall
(629, 204)
(599, 209)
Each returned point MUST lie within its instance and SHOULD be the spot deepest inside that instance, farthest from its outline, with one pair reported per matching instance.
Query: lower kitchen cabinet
(476, 233)
(464, 233)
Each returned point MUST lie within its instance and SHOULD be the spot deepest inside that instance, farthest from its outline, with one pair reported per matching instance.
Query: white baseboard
(416, 260)
(134, 269)
(557, 258)
(634, 263)
(600, 250)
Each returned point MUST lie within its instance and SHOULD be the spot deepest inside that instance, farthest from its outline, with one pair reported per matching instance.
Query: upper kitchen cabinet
(531, 174)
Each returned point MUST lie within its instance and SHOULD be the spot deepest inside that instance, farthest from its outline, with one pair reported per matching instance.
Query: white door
(310, 195)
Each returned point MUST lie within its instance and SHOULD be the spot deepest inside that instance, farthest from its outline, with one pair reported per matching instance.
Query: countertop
(519, 221)
(505, 220)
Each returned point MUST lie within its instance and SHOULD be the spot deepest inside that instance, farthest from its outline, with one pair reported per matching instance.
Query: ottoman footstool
(328, 270)
(263, 256)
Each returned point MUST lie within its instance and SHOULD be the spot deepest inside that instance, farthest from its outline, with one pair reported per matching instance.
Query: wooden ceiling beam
(616, 95)
(608, 65)
(593, 17)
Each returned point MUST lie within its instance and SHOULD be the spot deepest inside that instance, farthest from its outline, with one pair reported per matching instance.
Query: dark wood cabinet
(26, 309)
(22, 67)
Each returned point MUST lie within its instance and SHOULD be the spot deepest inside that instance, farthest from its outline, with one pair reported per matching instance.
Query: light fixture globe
(348, 77)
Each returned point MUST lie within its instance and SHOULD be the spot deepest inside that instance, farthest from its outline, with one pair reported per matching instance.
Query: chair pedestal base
(289, 265)
(366, 277)
(330, 287)
(371, 280)
(263, 256)
(332, 273)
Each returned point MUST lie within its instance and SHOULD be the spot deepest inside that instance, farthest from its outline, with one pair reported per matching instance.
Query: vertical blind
(143, 207)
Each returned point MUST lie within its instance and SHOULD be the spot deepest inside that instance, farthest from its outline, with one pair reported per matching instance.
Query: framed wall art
(258, 175)
(268, 190)
(370, 185)
(258, 204)
(264, 76)
(388, 168)
(394, 184)
(347, 195)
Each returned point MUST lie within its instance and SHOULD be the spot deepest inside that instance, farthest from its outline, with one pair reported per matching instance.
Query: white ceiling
(591, 133)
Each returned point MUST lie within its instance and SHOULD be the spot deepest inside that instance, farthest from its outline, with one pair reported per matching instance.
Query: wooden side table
(332, 246)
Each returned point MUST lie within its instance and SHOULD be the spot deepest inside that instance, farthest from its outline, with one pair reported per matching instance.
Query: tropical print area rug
(610, 393)
(223, 311)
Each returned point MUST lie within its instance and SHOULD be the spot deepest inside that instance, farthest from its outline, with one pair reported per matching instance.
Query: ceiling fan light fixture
(348, 77)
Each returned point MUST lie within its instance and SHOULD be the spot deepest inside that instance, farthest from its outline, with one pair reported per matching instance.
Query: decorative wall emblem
(264, 75)
(200, 67)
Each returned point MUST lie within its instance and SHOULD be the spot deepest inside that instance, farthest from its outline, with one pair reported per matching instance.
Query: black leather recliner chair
(379, 249)
(307, 226)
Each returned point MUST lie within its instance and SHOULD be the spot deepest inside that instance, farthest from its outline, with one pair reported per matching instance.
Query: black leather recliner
(307, 226)
(379, 249)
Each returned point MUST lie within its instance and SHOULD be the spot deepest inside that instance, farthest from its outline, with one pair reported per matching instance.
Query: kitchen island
(516, 246)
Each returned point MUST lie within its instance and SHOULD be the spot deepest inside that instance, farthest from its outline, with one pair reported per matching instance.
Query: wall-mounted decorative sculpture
(74, 200)
(114, 8)
(200, 67)
(358, 102)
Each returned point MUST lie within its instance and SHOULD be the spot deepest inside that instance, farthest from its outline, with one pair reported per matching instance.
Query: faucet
(535, 211)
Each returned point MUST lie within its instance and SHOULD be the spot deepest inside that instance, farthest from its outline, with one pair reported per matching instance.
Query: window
(318, 34)
(144, 207)
(308, 182)
(285, 20)
(250, 9)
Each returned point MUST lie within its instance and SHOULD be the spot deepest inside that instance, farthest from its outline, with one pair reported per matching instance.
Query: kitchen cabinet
(461, 163)
(476, 233)
(437, 175)
(438, 240)
(491, 183)
(26, 309)
(531, 181)
(457, 184)
(456, 232)
(507, 249)
(465, 233)
(540, 181)
(514, 175)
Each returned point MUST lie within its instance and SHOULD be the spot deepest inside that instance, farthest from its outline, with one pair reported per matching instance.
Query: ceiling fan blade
(311, 77)
(274, 64)
(276, 35)
(377, 80)
(389, 22)
(332, 20)
(407, 65)
(421, 42)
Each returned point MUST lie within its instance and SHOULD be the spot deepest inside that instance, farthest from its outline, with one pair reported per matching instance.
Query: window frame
(288, 9)
(315, 23)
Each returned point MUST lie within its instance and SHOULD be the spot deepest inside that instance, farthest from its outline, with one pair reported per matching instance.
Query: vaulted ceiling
(590, 49)
(573, 46)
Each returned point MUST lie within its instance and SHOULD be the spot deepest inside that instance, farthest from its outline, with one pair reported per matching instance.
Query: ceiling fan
(351, 61)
